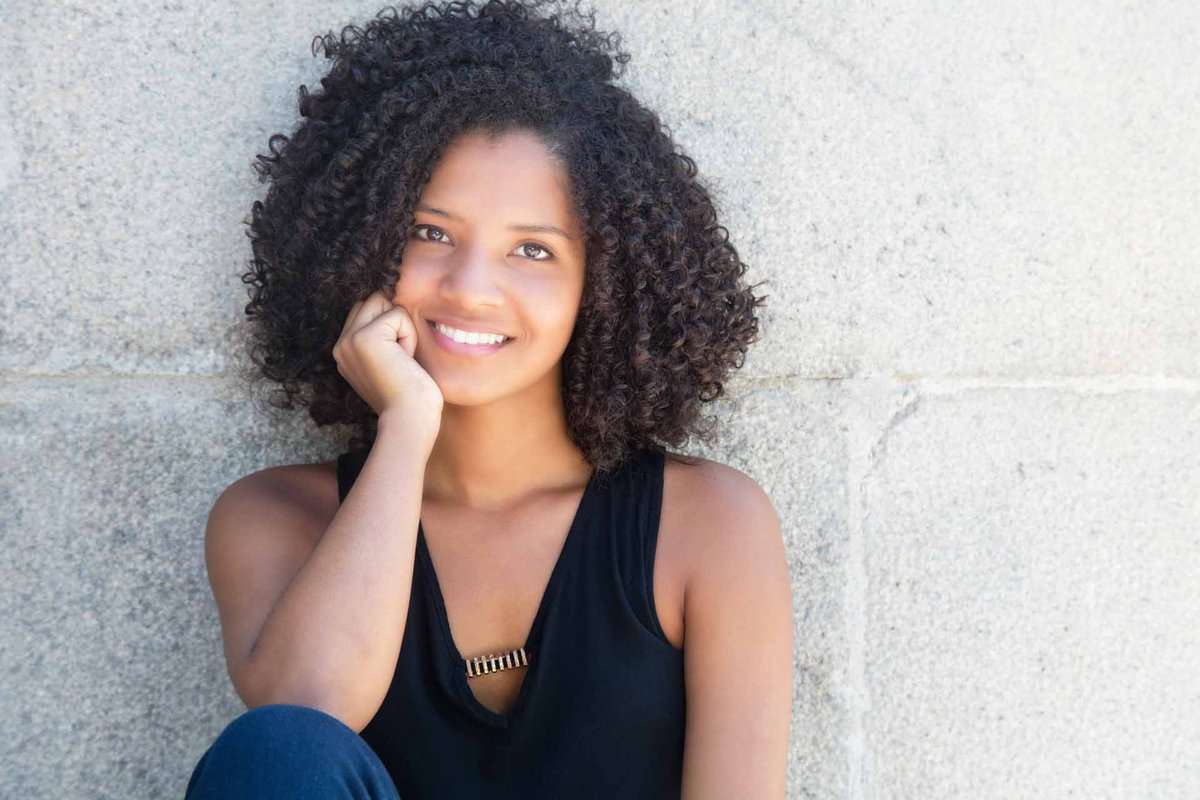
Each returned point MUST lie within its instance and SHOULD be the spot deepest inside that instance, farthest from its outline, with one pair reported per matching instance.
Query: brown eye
(432, 230)
(548, 256)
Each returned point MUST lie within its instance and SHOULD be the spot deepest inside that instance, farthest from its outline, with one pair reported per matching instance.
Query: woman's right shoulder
(304, 497)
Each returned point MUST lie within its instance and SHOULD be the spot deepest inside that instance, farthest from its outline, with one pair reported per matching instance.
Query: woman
(495, 265)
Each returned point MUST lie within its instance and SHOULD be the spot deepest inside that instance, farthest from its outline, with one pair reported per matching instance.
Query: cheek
(555, 309)
(414, 283)
(561, 293)
(569, 302)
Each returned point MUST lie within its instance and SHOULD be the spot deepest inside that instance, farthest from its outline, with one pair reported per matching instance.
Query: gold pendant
(483, 665)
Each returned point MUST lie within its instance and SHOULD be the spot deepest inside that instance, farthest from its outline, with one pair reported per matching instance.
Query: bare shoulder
(304, 496)
(705, 475)
(715, 519)
(715, 501)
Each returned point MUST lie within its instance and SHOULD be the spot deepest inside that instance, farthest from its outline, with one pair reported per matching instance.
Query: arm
(739, 637)
(315, 617)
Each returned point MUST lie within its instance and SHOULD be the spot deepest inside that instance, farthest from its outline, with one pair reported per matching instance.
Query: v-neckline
(532, 640)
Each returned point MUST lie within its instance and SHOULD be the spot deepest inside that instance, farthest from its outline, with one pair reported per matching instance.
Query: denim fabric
(284, 750)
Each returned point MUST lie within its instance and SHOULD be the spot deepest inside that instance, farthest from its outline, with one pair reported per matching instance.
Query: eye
(431, 229)
(549, 255)
(434, 232)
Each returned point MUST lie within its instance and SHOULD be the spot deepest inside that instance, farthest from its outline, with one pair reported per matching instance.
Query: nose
(470, 282)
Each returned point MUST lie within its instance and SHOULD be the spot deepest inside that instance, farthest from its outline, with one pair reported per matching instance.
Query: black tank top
(601, 710)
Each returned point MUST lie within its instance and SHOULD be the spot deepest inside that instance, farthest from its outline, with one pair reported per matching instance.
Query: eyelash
(549, 254)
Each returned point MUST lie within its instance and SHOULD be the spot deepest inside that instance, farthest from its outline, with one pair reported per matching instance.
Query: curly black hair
(664, 314)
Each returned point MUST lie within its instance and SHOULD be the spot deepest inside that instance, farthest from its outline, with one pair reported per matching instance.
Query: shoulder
(722, 518)
(303, 495)
(705, 475)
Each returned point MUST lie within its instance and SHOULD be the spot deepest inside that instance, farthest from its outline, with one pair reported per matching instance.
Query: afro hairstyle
(664, 314)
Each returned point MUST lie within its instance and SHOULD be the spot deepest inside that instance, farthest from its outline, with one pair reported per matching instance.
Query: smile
(463, 348)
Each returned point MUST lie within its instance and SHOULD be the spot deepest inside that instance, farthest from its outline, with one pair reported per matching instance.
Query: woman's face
(468, 263)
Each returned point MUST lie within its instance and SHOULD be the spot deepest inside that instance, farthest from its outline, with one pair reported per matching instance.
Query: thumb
(396, 325)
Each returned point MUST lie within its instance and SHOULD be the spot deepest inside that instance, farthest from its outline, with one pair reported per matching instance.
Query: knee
(271, 723)
(281, 734)
(285, 750)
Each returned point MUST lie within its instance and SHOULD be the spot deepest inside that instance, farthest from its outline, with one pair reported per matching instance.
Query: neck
(492, 457)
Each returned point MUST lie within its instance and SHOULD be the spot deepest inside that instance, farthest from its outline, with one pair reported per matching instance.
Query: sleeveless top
(601, 706)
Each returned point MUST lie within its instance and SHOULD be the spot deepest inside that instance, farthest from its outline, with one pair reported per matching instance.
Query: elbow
(259, 687)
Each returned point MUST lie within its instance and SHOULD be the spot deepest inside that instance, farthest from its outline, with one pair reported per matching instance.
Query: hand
(375, 355)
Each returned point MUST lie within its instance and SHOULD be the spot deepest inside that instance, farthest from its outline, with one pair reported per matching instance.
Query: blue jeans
(284, 750)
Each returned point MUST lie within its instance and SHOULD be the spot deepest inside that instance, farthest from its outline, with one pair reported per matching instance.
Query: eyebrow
(530, 228)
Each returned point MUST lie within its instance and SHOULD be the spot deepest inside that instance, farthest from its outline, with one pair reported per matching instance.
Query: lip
(460, 325)
(461, 348)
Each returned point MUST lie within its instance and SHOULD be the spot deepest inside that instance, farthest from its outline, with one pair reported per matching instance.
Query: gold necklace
(484, 665)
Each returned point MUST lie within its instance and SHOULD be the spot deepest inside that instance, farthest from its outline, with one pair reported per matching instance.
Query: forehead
(512, 178)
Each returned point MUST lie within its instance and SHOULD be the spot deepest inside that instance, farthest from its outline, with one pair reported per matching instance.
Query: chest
(493, 571)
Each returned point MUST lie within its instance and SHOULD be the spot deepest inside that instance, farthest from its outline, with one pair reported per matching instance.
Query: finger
(349, 321)
(397, 326)
(369, 308)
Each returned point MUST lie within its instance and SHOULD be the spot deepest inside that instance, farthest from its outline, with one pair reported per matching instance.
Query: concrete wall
(976, 404)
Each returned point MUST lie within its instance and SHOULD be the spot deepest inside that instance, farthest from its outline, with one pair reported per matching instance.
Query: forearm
(333, 637)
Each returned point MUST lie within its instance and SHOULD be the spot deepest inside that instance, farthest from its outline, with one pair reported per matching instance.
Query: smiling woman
(360, 188)
(495, 265)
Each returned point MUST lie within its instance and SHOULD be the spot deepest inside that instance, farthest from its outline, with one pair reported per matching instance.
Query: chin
(458, 392)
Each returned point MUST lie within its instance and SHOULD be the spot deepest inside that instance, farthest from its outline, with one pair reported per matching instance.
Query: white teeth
(470, 338)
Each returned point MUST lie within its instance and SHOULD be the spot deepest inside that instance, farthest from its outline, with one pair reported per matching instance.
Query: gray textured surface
(1032, 555)
(975, 406)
